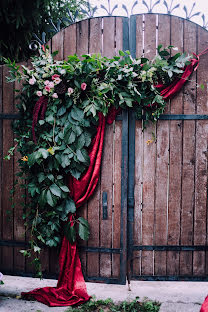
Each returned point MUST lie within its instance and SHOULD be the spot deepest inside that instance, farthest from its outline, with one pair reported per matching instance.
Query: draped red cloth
(204, 307)
(71, 288)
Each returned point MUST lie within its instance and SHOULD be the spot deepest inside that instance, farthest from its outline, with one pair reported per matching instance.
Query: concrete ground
(174, 296)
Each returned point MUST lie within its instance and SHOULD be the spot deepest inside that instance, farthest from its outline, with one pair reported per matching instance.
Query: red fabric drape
(204, 307)
(71, 288)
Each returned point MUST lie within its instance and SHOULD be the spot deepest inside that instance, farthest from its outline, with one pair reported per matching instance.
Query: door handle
(105, 205)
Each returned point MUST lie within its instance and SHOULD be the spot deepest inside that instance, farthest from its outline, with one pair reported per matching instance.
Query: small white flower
(175, 49)
(32, 81)
(70, 91)
(57, 80)
(55, 96)
(51, 84)
(46, 82)
(39, 93)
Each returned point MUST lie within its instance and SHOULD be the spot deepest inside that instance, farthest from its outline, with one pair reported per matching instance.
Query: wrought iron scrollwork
(110, 7)
(170, 8)
(190, 14)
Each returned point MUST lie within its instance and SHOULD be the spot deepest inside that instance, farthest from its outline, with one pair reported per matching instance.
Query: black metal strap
(171, 248)
(183, 117)
(9, 116)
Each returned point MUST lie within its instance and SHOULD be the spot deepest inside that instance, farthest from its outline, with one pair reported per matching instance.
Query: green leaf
(61, 111)
(42, 199)
(71, 138)
(70, 206)
(75, 173)
(50, 200)
(77, 113)
(70, 232)
(84, 232)
(82, 156)
(41, 177)
(121, 53)
(55, 190)
(64, 188)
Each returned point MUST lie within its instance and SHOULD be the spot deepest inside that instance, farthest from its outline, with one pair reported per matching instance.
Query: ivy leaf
(75, 173)
(50, 199)
(61, 111)
(42, 198)
(64, 188)
(70, 206)
(70, 232)
(71, 138)
(77, 113)
(41, 177)
(55, 190)
(84, 231)
(82, 156)
(87, 138)
(81, 141)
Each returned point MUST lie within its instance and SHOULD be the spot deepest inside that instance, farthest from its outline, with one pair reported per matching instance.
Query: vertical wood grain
(200, 213)
(149, 162)
(58, 45)
(162, 168)
(175, 157)
(188, 169)
(7, 173)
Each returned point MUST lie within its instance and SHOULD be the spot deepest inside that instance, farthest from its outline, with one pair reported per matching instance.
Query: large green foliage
(19, 19)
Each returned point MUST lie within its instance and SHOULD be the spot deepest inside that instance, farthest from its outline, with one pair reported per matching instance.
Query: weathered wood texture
(171, 174)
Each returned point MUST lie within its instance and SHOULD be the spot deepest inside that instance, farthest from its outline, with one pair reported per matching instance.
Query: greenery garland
(71, 94)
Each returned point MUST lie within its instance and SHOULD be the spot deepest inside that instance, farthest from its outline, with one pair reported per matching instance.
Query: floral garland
(59, 105)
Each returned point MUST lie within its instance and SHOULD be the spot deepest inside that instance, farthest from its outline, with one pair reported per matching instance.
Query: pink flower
(32, 81)
(70, 91)
(83, 86)
(57, 80)
(55, 76)
(47, 88)
(50, 84)
(46, 82)
(39, 93)
(55, 96)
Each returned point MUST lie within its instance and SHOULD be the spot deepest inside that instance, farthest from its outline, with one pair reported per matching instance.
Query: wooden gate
(162, 186)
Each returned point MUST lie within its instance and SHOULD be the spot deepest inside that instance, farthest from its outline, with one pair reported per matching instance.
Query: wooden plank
(117, 154)
(200, 213)
(139, 36)
(138, 196)
(19, 228)
(106, 186)
(149, 162)
(93, 266)
(118, 35)
(188, 168)
(58, 45)
(109, 36)
(95, 39)
(175, 159)
(117, 197)
(70, 41)
(7, 173)
(139, 141)
(82, 37)
(162, 168)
